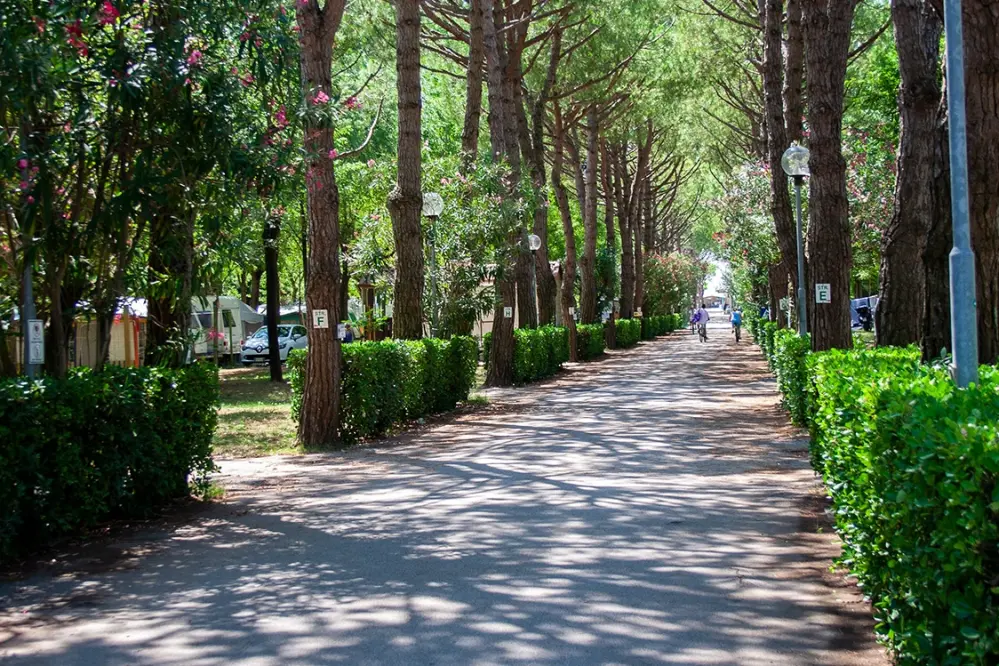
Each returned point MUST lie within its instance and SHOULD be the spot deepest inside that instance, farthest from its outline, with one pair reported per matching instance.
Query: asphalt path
(650, 508)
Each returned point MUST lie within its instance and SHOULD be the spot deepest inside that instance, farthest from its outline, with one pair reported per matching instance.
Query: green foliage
(653, 327)
(391, 381)
(789, 353)
(911, 463)
(590, 341)
(765, 338)
(669, 281)
(628, 332)
(539, 352)
(100, 445)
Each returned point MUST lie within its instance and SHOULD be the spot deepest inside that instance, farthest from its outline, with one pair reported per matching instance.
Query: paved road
(652, 508)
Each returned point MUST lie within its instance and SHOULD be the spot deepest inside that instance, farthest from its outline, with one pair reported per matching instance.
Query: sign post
(36, 342)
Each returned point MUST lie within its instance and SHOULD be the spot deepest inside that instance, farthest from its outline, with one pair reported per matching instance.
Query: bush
(658, 325)
(789, 360)
(911, 464)
(394, 380)
(590, 341)
(100, 445)
(766, 341)
(539, 352)
(628, 332)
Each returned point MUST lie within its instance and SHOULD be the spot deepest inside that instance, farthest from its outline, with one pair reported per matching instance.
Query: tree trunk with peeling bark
(405, 202)
(827, 28)
(902, 284)
(319, 423)
(568, 295)
(588, 266)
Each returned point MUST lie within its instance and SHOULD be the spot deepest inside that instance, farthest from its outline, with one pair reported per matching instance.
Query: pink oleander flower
(31, 200)
(24, 185)
(371, 164)
(334, 154)
(109, 14)
(281, 118)
(320, 98)
(22, 163)
(194, 60)
(352, 104)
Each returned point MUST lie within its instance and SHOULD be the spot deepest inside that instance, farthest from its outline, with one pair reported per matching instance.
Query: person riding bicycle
(703, 318)
(737, 324)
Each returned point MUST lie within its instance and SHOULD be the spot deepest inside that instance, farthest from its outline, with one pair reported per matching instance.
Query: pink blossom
(247, 80)
(320, 98)
(303, 3)
(194, 59)
(258, 42)
(61, 191)
(109, 14)
(334, 154)
(31, 200)
(371, 164)
(352, 104)
(22, 163)
(40, 24)
(445, 181)
(281, 118)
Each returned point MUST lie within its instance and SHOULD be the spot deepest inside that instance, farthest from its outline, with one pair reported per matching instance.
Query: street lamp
(795, 164)
(433, 206)
(534, 242)
(963, 318)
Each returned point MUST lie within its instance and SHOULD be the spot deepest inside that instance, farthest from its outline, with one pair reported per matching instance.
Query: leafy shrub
(590, 341)
(790, 353)
(628, 333)
(766, 341)
(539, 352)
(390, 381)
(911, 464)
(100, 445)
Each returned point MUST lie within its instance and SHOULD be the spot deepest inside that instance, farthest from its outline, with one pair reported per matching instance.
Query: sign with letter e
(823, 293)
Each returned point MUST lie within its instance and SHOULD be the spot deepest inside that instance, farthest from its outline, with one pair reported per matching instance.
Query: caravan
(237, 322)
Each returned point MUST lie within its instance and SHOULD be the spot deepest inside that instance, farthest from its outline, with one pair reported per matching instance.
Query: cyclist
(737, 324)
(702, 322)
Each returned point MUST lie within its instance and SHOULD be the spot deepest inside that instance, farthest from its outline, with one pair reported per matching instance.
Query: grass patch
(255, 417)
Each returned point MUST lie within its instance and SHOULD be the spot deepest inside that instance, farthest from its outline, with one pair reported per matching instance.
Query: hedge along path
(650, 507)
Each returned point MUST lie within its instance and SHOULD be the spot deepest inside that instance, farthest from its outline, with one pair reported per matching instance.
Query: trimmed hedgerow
(100, 445)
(590, 341)
(539, 352)
(394, 380)
(628, 332)
(789, 362)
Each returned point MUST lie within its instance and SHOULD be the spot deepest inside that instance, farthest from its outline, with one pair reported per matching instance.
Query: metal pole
(802, 307)
(433, 277)
(27, 314)
(534, 286)
(963, 318)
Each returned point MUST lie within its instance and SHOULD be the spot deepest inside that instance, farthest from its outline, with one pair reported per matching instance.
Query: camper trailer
(237, 322)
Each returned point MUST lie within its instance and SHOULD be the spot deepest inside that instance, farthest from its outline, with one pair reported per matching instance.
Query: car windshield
(261, 334)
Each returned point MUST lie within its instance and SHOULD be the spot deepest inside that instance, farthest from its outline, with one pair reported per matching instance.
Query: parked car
(256, 348)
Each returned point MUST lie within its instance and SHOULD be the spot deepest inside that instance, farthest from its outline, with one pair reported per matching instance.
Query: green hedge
(590, 341)
(539, 352)
(912, 464)
(394, 380)
(660, 325)
(100, 445)
(628, 332)
(790, 352)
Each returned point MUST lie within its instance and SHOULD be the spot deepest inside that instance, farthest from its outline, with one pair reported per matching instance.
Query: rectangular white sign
(341, 331)
(823, 293)
(320, 319)
(508, 312)
(36, 342)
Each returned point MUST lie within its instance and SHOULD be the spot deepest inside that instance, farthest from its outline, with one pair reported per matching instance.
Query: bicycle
(737, 329)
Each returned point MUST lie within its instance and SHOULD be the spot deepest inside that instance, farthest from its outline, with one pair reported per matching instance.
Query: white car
(255, 349)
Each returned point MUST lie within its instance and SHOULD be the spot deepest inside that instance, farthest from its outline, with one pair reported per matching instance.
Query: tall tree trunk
(494, 80)
(272, 233)
(627, 235)
(777, 139)
(473, 87)
(827, 27)
(902, 284)
(319, 424)
(588, 287)
(981, 59)
(608, 182)
(939, 241)
(405, 202)
(255, 278)
(638, 228)
(794, 73)
(568, 296)
(169, 310)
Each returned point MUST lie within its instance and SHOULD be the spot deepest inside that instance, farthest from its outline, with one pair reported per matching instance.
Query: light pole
(795, 164)
(534, 242)
(963, 318)
(433, 206)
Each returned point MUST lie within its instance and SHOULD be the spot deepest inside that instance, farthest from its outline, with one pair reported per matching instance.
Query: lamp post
(963, 318)
(534, 242)
(433, 206)
(795, 164)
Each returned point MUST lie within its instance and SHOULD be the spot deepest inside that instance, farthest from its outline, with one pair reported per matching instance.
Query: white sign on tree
(823, 293)
(320, 319)
(36, 342)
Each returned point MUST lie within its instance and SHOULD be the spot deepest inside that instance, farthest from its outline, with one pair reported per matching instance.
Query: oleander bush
(628, 332)
(394, 380)
(99, 445)
(590, 341)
